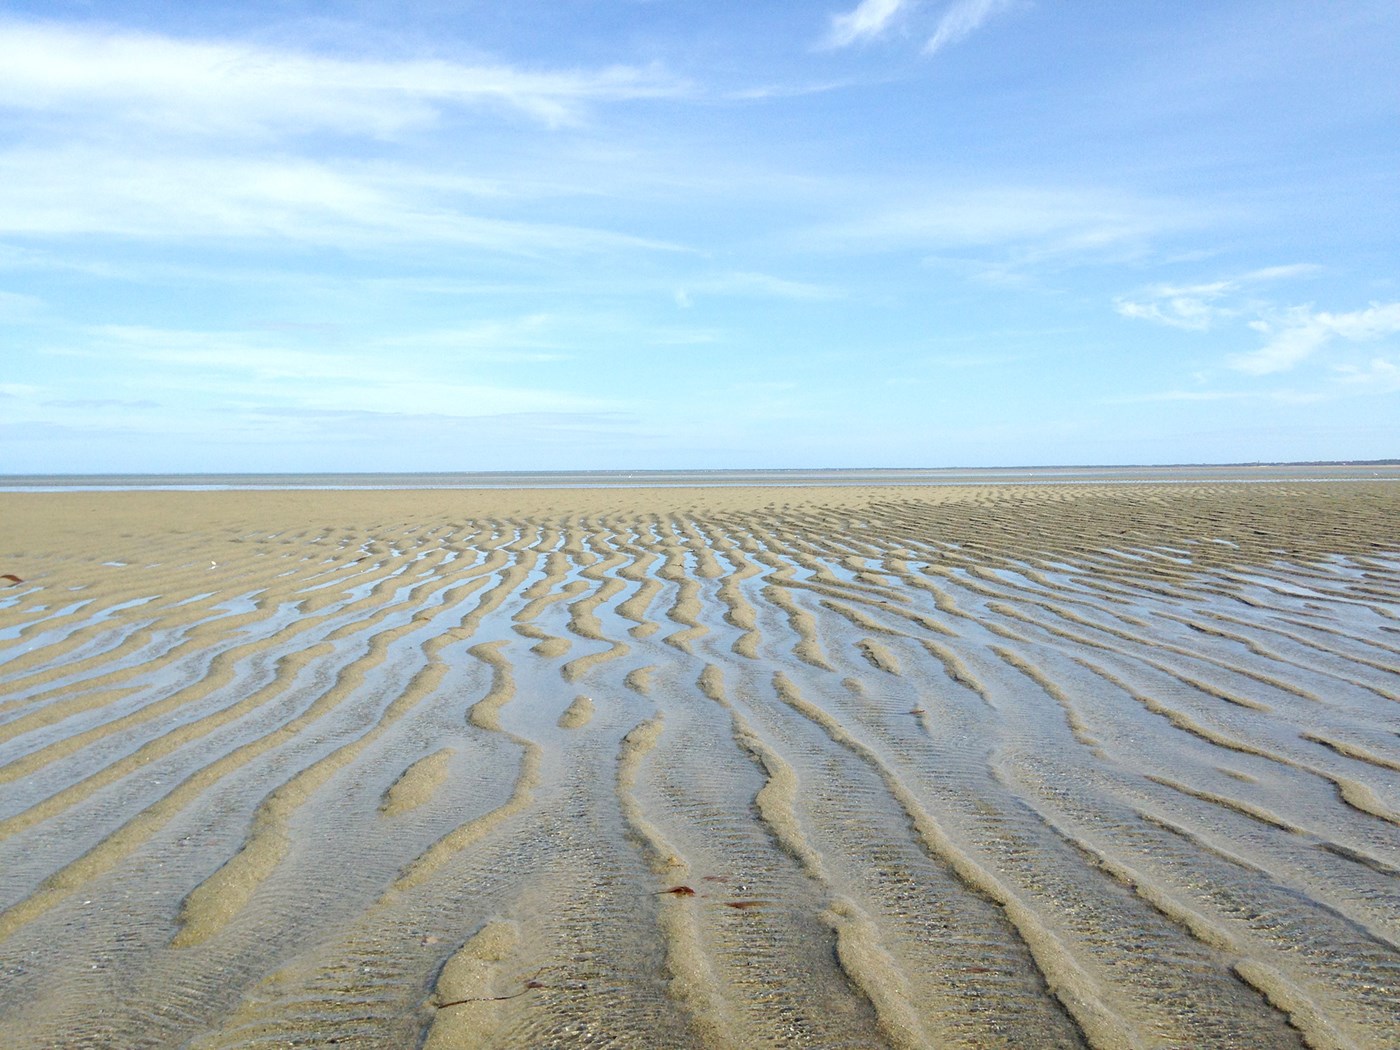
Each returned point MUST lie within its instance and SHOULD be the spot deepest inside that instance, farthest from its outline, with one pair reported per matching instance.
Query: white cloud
(202, 197)
(1301, 332)
(1191, 308)
(1291, 334)
(1379, 376)
(1035, 223)
(871, 18)
(761, 285)
(15, 306)
(530, 339)
(118, 133)
(868, 19)
(215, 87)
(963, 19)
(135, 135)
(763, 92)
(1199, 307)
(1278, 273)
(243, 369)
(1278, 396)
(1183, 395)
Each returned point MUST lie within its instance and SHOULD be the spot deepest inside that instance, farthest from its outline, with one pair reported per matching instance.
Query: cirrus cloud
(1301, 332)
(962, 20)
(221, 87)
(1200, 306)
(867, 19)
(872, 18)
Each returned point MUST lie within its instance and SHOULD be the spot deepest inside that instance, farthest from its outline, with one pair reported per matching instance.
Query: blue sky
(612, 234)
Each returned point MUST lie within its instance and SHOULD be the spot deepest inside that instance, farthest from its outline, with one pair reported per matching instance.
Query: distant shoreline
(1374, 470)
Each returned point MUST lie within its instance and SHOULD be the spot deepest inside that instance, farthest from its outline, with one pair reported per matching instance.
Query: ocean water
(705, 478)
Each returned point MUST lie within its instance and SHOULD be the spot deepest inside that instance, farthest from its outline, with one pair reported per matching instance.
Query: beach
(1108, 765)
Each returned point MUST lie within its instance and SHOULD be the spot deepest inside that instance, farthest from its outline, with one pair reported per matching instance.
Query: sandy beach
(1023, 766)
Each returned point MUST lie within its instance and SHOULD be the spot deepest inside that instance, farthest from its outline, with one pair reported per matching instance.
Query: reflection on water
(1025, 768)
(1294, 472)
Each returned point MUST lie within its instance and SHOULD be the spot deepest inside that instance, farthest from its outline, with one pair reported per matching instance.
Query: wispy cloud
(750, 284)
(869, 18)
(1301, 332)
(15, 306)
(219, 87)
(1281, 396)
(1292, 334)
(1199, 307)
(137, 135)
(1378, 376)
(873, 18)
(962, 20)
(101, 403)
(349, 204)
(1192, 307)
(799, 89)
(533, 339)
(271, 354)
(1030, 224)
(461, 373)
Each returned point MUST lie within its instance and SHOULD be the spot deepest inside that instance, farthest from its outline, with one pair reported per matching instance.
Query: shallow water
(1026, 768)
(628, 479)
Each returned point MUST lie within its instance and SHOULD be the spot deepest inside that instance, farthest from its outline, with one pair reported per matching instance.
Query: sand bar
(1063, 765)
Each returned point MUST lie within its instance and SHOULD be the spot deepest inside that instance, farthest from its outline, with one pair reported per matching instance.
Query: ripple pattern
(1061, 766)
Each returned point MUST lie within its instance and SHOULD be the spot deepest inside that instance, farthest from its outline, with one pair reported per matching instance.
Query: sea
(1388, 470)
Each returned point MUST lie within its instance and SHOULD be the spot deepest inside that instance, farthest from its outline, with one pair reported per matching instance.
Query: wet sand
(1024, 766)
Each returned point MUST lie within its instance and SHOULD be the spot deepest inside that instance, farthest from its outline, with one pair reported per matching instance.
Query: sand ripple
(1026, 767)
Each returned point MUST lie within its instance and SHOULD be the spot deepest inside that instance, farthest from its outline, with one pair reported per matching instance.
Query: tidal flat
(1106, 765)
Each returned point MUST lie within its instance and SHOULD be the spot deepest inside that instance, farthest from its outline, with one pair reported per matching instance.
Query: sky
(453, 235)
